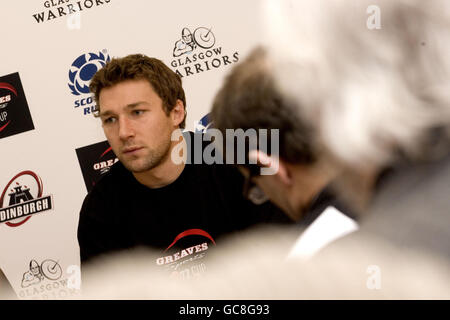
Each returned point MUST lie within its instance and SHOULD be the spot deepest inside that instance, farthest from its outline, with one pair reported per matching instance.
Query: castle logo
(22, 198)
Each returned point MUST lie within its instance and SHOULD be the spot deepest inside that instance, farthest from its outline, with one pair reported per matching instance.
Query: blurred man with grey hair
(370, 107)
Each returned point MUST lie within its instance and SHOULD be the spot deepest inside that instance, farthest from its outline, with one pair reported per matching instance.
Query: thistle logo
(14, 113)
(24, 192)
(207, 56)
(80, 74)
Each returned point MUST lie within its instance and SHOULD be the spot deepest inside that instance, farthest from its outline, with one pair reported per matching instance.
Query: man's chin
(138, 169)
(137, 166)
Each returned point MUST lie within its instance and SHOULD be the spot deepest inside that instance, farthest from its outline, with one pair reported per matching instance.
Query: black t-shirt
(202, 204)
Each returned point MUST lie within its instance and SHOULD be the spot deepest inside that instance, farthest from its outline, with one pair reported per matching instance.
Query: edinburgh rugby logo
(22, 198)
(195, 52)
(80, 74)
(95, 160)
(14, 113)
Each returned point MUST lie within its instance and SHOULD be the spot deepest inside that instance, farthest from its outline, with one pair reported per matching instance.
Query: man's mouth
(131, 150)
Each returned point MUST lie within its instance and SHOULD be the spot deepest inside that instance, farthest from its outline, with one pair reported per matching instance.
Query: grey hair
(371, 94)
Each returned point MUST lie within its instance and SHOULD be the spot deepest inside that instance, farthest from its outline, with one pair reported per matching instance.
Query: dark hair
(165, 82)
(250, 99)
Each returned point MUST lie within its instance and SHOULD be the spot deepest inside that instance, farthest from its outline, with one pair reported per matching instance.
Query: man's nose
(126, 129)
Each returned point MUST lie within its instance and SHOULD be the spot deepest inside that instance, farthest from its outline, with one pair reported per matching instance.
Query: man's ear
(271, 165)
(177, 114)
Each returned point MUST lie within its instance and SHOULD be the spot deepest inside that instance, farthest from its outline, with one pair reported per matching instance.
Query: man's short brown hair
(165, 82)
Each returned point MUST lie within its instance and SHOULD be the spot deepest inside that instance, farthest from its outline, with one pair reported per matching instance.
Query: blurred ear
(273, 165)
(177, 114)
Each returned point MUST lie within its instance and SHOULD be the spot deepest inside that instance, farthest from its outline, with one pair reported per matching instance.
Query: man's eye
(109, 120)
(138, 112)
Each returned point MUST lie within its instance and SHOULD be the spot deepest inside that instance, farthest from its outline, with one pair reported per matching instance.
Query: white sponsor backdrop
(42, 53)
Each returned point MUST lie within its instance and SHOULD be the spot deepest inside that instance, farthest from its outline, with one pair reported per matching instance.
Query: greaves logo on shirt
(95, 160)
(196, 52)
(23, 197)
(14, 113)
(80, 74)
(185, 255)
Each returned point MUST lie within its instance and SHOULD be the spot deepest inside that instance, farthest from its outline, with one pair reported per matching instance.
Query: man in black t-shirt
(147, 199)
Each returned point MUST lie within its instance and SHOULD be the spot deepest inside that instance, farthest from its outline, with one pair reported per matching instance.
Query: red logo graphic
(4, 100)
(191, 232)
(25, 198)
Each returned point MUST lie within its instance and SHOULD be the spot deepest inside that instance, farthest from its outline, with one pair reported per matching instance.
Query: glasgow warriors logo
(83, 69)
(49, 269)
(196, 52)
(201, 37)
(45, 281)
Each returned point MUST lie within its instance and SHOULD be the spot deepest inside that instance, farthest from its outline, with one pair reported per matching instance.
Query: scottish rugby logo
(80, 74)
(83, 69)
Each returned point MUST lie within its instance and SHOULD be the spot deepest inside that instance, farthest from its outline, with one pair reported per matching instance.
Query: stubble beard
(152, 159)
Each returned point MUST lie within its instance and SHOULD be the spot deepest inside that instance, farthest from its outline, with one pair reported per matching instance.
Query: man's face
(34, 268)
(273, 189)
(187, 36)
(135, 124)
